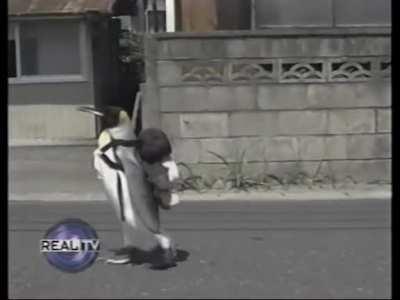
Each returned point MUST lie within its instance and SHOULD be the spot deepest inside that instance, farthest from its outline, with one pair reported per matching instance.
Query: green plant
(236, 177)
(315, 176)
(133, 47)
(275, 178)
(191, 181)
(328, 178)
(298, 178)
(132, 53)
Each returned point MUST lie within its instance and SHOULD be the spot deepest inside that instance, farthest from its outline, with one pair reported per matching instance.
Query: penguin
(139, 176)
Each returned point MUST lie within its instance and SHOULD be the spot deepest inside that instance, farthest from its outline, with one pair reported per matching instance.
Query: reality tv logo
(71, 245)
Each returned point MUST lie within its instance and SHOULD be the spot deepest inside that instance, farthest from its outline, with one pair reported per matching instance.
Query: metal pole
(141, 16)
(155, 16)
(170, 12)
(253, 15)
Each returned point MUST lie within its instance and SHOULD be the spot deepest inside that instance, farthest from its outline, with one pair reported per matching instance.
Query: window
(12, 63)
(321, 13)
(12, 58)
(234, 14)
(45, 49)
(156, 21)
(363, 12)
(155, 16)
(193, 15)
(283, 13)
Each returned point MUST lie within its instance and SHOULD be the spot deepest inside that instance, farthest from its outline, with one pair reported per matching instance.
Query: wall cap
(278, 32)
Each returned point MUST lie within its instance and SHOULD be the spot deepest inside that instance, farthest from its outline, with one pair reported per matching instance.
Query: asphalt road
(315, 249)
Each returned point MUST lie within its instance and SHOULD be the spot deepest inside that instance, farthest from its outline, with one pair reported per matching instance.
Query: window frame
(259, 26)
(14, 65)
(82, 76)
(161, 7)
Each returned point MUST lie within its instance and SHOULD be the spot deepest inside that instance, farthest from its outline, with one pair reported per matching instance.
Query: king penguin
(138, 175)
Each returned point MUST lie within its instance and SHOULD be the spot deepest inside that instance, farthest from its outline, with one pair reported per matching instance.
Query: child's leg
(166, 253)
(164, 241)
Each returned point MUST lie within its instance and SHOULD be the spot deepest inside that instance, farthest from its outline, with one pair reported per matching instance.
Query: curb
(282, 196)
(222, 196)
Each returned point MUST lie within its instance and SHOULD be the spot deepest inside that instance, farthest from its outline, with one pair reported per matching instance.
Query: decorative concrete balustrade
(292, 98)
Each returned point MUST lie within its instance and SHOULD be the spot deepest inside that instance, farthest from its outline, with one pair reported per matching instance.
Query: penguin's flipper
(124, 118)
(104, 139)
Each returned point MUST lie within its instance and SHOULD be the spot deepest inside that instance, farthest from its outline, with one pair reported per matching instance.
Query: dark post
(141, 16)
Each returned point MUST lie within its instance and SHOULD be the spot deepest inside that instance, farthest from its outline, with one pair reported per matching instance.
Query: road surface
(303, 249)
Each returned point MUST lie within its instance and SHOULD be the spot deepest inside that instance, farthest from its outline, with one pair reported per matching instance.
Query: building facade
(61, 54)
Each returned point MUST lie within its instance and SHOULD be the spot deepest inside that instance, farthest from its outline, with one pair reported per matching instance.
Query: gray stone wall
(296, 101)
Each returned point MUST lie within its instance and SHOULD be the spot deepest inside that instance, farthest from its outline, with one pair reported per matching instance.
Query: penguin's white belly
(109, 177)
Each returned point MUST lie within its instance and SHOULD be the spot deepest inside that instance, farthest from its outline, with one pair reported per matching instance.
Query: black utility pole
(155, 15)
(141, 15)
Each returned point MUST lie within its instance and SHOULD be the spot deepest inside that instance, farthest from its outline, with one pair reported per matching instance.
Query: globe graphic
(71, 261)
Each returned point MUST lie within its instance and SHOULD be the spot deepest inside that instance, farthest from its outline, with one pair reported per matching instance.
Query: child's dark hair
(153, 145)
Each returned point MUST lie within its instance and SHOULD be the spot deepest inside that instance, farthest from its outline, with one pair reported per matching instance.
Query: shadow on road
(140, 257)
(182, 255)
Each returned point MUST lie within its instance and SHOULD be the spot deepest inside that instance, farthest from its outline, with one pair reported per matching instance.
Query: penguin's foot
(119, 260)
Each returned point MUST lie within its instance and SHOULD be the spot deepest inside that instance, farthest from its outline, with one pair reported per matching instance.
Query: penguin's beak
(91, 110)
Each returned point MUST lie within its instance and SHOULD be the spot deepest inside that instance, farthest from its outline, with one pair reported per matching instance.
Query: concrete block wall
(293, 102)
(49, 124)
